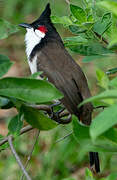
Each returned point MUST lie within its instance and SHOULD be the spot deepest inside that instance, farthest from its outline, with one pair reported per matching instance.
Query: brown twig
(46, 108)
(10, 138)
(17, 158)
(30, 154)
(64, 113)
(67, 1)
(23, 130)
(64, 121)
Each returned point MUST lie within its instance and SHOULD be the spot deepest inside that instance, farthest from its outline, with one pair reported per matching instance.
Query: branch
(67, 1)
(46, 108)
(49, 110)
(30, 154)
(17, 158)
(64, 121)
(23, 130)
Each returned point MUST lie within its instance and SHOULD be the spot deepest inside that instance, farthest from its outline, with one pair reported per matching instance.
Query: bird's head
(37, 30)
(40, 26)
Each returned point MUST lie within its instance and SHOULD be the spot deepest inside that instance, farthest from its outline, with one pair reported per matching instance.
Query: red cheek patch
(43, 29)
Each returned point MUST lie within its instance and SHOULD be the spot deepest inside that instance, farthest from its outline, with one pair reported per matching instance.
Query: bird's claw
(56, 115)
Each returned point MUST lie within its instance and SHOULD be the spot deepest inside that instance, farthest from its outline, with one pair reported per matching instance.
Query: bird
(46, 52)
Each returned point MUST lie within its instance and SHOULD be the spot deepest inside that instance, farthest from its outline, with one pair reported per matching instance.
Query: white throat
(32, 38)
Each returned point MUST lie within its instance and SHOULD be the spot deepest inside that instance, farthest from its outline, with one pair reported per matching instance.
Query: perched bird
(46, 52)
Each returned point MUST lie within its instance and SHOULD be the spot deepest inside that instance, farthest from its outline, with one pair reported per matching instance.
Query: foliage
(94, 36)
(7, 29)
(40, 121)
(5, 64)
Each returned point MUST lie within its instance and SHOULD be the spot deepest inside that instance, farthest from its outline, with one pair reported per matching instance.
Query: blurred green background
(50, 160)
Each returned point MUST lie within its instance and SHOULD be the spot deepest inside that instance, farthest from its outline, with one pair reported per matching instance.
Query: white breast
(32, 38)
(33, 64)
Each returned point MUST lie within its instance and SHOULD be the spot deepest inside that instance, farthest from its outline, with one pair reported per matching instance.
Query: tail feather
(94, 161)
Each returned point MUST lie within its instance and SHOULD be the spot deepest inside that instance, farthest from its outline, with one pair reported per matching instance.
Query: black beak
(25, 25)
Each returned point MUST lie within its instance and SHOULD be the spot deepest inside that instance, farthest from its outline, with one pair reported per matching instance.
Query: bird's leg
(52, 108)
(97, 163)
(56, 115)
(63, 121)
(91, 158)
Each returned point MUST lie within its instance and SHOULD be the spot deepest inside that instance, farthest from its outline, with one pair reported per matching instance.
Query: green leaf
(6, 29)
(103, 24)
(111, 134)
(112, 71)
(90, 18)
(104, 121)
(88, 25)
(38, 119)
(4, 146)
(112, 176)
(88, 175)
(77, 29)
(104, 95)
(5, 64)
(113, 82)
(81, 131)
(102, 78)
(78, 13)
(109, 5)
(35, 75)
(93, 58)
(71, 41)
(112, 35)
(113, 43)
(15, 125)
(102, 143)
(3, 101)
(30, 90)
(89, 49)
(99, 103)
(64, 20)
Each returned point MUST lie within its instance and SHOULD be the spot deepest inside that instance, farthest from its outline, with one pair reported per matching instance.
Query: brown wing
(67, 76)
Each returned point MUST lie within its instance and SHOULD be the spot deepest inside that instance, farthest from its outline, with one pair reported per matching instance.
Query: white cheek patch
(32, 38)
(39, 33)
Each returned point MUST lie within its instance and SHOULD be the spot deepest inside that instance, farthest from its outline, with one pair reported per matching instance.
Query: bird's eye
(43, 29)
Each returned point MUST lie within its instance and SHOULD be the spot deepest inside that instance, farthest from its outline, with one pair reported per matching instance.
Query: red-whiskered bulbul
(46, 52)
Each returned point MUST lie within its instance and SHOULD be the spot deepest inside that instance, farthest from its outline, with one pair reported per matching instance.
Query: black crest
(51, 34)
(45, 16)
